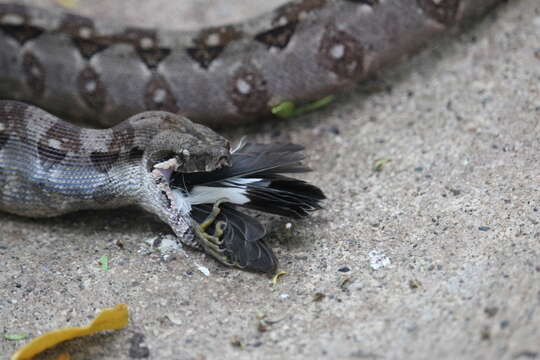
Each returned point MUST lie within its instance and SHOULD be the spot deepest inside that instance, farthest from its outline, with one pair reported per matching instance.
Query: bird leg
(213, 243)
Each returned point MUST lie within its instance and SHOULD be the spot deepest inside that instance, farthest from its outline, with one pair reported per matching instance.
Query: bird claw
(213, 244)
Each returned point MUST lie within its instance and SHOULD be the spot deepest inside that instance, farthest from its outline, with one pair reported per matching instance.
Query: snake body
(49, 167)
(138, 81)
(99, 71)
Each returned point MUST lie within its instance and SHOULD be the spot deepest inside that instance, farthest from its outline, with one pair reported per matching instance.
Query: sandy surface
(436, 256)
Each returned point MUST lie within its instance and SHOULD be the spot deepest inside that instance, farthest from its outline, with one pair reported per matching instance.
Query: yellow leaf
(109, 319)
(276, 277)
(70, 4)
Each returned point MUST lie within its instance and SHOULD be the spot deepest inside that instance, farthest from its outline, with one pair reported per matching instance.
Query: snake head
(196, 148)
(174, 144)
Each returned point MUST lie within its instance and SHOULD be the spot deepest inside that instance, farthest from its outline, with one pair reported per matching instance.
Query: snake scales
(107, 74)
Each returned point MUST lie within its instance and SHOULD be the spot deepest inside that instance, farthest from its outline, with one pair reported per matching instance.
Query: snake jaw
(163, 202)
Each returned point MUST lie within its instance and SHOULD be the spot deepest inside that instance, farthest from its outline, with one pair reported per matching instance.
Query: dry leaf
(70, 4)
(109, 319)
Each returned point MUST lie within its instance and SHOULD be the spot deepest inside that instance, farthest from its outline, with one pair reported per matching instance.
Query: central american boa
(142, 82)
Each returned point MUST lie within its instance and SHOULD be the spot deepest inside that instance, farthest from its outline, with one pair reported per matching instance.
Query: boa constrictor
(102, 73)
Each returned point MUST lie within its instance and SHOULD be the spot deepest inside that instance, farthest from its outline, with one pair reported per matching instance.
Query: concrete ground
(435, 256)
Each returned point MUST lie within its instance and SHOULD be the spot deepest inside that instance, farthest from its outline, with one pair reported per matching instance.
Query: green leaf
(15, 337)
(104, 262)
(315, 105)
(380, 163)
(287, 109)
(284, 110)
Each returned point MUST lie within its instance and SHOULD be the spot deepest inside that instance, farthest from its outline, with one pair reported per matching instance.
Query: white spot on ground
(176, 319)
(378, 259)
(243, 86)
(284, 296)
(2, 127)
(168, 247)
(203, 269)
(169, 244)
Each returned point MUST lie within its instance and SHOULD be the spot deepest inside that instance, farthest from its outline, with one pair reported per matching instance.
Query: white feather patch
(243, 181)
(181, 202)
(210, 194)
(234, 190)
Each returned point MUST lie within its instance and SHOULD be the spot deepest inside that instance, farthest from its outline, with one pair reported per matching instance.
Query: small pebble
(318, 296)
(236, 342)
(334, 130)
(485, 333)
(378, 259)
(414, 284)
(491, 311)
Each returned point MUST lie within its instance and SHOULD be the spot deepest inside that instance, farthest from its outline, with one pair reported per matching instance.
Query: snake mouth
(175, 165)
(173, 209)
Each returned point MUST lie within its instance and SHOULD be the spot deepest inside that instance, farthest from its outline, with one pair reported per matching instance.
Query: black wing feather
(247, 161)
(242, 238)
(274, 193)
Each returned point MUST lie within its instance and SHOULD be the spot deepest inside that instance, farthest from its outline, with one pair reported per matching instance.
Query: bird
(254, 180)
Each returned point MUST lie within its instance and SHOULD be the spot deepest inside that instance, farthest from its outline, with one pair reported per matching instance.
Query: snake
(149, 99)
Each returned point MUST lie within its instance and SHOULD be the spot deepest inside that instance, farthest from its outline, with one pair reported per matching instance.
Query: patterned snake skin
(304, 50)
(103, 73)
